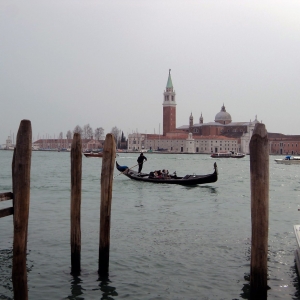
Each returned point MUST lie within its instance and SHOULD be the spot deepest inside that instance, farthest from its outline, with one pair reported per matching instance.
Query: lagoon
(167, 242)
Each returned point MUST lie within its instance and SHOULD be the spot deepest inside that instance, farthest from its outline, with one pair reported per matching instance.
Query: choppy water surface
(167, 242)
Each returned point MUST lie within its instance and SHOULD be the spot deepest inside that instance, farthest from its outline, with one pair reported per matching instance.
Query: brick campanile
(169, 107)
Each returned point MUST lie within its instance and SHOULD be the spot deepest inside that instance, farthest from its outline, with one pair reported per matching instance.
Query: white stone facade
(204, 144)
(246, 137)
(136, 142)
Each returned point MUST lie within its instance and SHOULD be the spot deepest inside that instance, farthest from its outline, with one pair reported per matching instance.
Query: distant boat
(230, 154)
(9, 148)
(289, 160)
(93, 154)
(237, 155)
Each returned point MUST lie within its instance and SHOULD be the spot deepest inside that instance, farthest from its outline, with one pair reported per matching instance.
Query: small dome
(223, 117)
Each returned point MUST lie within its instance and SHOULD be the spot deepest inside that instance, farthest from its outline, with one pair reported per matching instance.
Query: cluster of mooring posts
(21, 163)
(108, 163)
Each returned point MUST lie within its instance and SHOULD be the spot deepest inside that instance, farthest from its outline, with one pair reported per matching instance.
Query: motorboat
(93, 154)
(288, 160)
(229, 154)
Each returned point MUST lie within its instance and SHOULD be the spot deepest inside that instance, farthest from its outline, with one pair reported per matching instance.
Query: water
(167, 242)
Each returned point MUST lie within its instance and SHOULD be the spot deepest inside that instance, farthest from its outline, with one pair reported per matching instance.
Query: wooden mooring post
(108, 164)
(21, 198)
(259, 169)
(76, 175)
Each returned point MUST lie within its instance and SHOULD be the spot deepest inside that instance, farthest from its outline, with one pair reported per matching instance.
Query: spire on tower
(169, 83)
(169, 107)
(191, 120)
(201, 119)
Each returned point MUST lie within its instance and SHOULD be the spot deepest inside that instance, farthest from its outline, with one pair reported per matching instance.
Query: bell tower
(169, 107)
(191, 121)
(201, 119)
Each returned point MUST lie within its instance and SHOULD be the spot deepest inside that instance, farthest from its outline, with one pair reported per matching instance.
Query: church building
(221, 135)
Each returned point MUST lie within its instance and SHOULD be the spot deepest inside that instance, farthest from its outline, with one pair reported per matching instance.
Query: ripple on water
(167, 242)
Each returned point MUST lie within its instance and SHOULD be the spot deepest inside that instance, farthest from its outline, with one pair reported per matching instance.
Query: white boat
(297, 251)
(230, 154)
(237, 155)
(289, 160)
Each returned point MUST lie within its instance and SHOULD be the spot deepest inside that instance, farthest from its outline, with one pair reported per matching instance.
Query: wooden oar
(126, 170)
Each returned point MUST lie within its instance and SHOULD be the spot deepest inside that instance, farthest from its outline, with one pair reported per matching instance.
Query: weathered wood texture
(259, 169)
(6, 196)
(13, 168)
(76, 175)
(4, 212)
(21, 190)
(108, 163)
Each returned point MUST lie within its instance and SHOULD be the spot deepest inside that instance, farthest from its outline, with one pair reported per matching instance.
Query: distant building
(58, 144)
(222, 135)
(169, 108)
(284, 144)
(9, 144)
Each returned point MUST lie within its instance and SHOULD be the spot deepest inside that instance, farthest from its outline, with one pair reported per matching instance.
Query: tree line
(87, 132)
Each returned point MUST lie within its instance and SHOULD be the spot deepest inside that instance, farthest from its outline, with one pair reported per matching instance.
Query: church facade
(221, 135)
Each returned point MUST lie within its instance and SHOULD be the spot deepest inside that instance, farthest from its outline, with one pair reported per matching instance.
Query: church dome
(223, 117)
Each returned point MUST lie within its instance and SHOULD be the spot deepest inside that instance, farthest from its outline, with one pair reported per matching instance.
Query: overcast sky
(105, 63)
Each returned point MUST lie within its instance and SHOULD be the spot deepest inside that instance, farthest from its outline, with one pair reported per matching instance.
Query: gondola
(93, 154)
(172, 179)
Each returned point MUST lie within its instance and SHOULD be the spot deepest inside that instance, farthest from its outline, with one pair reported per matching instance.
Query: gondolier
(140, 161)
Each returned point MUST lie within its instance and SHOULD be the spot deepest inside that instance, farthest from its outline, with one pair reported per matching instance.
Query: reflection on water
(107, 289)
(167, 241)
(245, 291)
(211, 189)
(5, 271)
(295, 280)
(6, 260)
(76, 289)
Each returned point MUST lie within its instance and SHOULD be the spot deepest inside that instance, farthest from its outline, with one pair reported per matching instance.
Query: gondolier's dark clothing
(140, 160)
